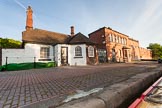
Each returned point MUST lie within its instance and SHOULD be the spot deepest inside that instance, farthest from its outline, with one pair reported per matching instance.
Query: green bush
(25, 66)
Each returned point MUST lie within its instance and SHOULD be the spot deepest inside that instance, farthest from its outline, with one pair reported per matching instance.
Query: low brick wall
(117, 94)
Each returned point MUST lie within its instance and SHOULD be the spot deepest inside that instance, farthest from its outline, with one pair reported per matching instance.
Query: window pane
(110, 37)
(78, 51)
(44, 52)
(90, 51)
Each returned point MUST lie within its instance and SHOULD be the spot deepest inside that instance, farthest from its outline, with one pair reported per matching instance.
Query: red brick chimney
(29, 19)
(72, 30)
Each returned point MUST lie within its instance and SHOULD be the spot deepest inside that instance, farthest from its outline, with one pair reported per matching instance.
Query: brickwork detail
(29, 20)
(119, 47)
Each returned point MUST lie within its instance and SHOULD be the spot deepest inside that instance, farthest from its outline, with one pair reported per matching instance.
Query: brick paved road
(21, 88)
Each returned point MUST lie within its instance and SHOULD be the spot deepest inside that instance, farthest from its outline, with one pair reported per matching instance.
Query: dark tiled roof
(43, 36)
(79, 38)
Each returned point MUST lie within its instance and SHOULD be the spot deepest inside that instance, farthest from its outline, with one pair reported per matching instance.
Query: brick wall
(91, 60)
(98, 38)
(145, 53)
(114, 42)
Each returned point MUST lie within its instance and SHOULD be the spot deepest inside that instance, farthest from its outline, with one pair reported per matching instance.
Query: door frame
(66, 56)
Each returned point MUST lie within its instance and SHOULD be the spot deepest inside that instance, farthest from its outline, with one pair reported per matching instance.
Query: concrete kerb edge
(115, 98)
(86, 103)
(115, 101)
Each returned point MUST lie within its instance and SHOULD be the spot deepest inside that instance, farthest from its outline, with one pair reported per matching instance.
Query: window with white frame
(119, 39)
(110, 38)
(122, 41)
(115, 38)
(125, 41)
(90, 51)
(44, 52)
(78, 51)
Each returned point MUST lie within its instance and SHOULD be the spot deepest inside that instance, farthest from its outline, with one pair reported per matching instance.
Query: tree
(9, 43)
(156, 50)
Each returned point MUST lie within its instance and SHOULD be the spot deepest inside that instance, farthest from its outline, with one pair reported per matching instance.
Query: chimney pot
(72, 30)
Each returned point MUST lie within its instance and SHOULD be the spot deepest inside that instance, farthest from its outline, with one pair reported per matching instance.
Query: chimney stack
(72, 30)
(29, 19)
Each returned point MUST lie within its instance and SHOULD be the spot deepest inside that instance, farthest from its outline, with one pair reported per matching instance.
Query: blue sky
(139, 19)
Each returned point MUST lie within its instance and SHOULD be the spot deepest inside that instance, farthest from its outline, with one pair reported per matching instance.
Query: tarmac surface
(27, 87)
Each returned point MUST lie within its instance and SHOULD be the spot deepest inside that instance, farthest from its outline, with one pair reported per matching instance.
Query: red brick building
(117, 47)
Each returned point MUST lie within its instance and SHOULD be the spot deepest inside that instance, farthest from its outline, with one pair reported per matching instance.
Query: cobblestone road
(21, 88)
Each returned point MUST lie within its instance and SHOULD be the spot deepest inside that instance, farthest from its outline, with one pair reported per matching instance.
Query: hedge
(25, 66)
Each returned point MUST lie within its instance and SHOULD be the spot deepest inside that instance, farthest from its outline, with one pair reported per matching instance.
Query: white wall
(71, 54)
(33, 50)
(58, 53)
(14, 56)
(77, 61)
(24, 55)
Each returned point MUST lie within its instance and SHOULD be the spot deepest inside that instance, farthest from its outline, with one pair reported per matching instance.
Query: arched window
(113, 38)
(110, 38)
(119, 39)
(78, 51)
(122, 41)
(125, 41)
(90, 51)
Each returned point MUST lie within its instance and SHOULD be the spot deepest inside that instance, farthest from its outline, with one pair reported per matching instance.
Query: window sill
(91, 56)
(44, 59)
(78, 57)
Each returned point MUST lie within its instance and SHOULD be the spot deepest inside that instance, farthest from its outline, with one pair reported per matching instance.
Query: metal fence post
(6, 62)
(34, 62)
(0, 55)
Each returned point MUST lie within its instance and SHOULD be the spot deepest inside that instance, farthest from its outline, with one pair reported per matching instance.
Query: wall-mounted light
(103, 42)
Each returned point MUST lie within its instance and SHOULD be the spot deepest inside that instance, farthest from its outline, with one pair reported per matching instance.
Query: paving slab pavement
(118, 95)
(50, 86)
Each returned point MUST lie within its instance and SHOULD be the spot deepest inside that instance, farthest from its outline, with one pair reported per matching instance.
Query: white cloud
(148, 16)
(147, 21)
